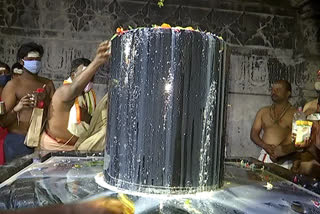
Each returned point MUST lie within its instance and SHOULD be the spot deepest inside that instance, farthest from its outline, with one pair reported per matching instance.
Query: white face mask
(33, 66)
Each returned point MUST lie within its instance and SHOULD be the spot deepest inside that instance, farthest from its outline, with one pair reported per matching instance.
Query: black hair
(77, 62)
(2, 64)
(28, 47)
(285, 83)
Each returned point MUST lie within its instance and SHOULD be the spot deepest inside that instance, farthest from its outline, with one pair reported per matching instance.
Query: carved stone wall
(263, 45)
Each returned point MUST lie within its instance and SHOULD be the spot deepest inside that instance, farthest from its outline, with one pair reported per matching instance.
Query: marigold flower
(120, 31)
(165, 25)
(189, 28)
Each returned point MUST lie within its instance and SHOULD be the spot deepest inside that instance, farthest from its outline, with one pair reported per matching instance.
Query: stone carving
(80, 15)
(80, 19)
(254, 72)
(10, 11)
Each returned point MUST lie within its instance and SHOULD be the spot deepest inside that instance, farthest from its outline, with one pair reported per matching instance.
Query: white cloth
(76, 126)
(265, 158)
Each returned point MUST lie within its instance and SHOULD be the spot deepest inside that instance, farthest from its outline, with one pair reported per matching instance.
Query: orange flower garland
(120, 31)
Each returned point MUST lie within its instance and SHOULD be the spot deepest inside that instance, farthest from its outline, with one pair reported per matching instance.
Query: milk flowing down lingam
(166, 108)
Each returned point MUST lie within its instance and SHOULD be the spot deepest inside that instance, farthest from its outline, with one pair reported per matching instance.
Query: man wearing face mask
(19, 102)
(73, 104)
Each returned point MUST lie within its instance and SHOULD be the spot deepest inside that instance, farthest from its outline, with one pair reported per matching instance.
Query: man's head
(78, 66)
(16, 69)
(29, 55)
(4, 68)
(281, 91)
(4, 74)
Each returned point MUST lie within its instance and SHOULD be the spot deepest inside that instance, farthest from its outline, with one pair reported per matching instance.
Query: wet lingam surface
(166, 111)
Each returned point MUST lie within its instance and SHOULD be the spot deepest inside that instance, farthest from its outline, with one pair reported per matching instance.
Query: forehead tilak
(33, 54)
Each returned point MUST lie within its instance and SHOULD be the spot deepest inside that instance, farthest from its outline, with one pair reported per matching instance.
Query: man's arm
(51, 88)
(285, 148)
(255, 134)
(70, 92)
(310, 168)
(49, 92)
(9, 97)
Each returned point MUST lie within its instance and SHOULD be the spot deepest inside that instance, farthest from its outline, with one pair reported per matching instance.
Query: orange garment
(85, 101)
(50, 144)
(76, 126)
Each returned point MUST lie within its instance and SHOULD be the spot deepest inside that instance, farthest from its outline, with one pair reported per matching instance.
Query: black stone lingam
(165, 116)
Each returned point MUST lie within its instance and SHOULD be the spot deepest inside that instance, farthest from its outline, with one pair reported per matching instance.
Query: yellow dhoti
(94, 138)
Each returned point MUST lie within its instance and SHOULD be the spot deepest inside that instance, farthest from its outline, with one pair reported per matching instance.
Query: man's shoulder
(60, 92)
(264, 109)
(292, 110)
(13, 83)
(44, 80)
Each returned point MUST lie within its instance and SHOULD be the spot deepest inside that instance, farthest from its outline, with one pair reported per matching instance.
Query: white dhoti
(265, 158)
